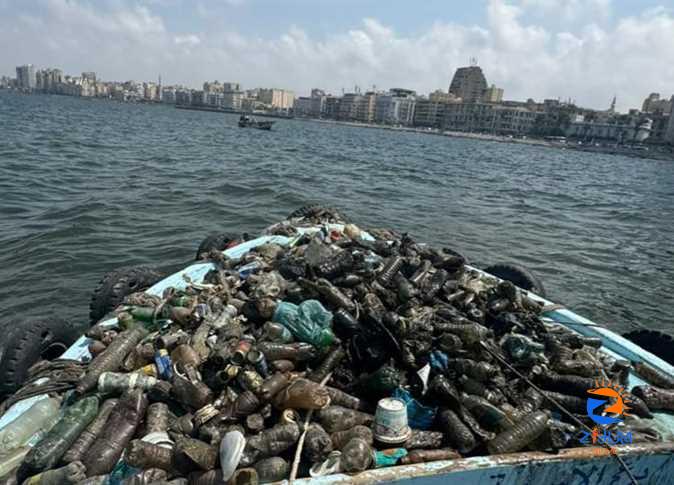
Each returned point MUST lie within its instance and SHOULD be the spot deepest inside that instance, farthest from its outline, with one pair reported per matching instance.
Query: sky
(583, 50)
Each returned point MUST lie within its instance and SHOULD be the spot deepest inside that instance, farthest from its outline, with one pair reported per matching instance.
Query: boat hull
(650, 463)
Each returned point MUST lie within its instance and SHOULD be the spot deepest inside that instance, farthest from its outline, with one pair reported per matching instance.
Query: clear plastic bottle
(12, 459)
(40, 417)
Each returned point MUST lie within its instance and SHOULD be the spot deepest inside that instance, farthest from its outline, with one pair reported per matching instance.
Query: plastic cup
(390, 421)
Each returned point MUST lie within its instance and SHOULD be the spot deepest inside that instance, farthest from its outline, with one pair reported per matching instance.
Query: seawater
(87, 186)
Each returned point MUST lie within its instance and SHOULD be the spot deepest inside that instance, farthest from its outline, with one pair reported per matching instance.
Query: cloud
(189, 40)
(588, 61)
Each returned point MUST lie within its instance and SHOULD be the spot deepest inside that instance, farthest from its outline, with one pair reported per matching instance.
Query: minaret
(612, 108)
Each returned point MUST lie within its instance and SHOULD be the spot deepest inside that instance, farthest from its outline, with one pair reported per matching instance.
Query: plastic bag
(418, 415)
(308, 322)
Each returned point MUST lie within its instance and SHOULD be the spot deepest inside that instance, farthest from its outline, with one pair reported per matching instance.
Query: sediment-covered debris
(341, 351)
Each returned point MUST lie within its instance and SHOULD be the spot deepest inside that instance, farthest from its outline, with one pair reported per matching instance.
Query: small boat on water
(246, 121)
(647, 460)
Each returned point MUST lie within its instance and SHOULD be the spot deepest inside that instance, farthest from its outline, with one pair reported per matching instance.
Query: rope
(560, 407)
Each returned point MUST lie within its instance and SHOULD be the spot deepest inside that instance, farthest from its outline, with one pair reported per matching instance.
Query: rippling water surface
(88, 186)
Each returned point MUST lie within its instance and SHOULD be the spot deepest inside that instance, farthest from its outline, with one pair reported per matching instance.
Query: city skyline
(591, 51)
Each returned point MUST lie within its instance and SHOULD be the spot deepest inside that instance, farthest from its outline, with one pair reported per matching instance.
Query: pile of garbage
(340, 352)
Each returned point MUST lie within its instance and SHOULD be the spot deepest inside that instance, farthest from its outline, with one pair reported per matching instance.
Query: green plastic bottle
(60, 438)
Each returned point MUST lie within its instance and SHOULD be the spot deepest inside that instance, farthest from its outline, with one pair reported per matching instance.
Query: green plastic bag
(309, 322)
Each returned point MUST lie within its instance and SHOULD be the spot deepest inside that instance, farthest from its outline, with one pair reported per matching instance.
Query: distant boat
(250, 122)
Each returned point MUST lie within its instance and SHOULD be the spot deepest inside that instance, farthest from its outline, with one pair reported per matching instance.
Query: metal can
(259, 361)
(241, 351)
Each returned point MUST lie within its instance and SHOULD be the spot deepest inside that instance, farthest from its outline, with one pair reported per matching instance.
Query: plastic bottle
(302, 394)
(110, 359)
(299, 351)
(70, 474)
(141, 454)
(89, 435)
(118, 431)
(191, 453)
(340, 438)
(270, 442)
(118, 381)
(11, 460)
(338, 418)
(317, 444)
(357, 455)
(272, 469)
(308, 322)
(60, 438)
(41, 416)
(328, 364)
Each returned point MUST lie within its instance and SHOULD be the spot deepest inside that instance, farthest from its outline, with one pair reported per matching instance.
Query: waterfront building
(198, 98)
(468, 83)
(89, 76)
(357, 107)
(599, 125)
(492, 95)
(479, 117)
(669, 134)
(395, 108)
(429, 113)
(150, 91)
(183, 96)
(654, 104)
(25, 77)
(303, 106)
(232, 99)
(332, 107)
(279, 99)
(168, 95)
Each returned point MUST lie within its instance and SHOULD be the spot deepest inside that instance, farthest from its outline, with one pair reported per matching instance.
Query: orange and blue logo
(607, 393)
(607, 404)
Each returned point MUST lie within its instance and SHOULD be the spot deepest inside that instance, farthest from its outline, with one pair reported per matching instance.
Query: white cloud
(189, 40)
(588, 61)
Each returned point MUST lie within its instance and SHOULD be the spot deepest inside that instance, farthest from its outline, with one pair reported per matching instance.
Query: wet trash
(390, 422)
(378, 351)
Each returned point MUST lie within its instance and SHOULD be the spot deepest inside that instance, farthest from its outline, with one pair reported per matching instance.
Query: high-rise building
(276, 98)
(492, 95)
(25, 77)
(468, 83)
(654, 104)
(669, 134)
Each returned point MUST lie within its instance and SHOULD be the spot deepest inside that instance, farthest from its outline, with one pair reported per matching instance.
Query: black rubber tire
(116, 284)
(214, 241)
(656, 342)
(30, 342)
(518, 275)
(311, 209)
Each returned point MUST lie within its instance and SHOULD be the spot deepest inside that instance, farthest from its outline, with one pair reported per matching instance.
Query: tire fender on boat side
(656, 342)
(117, 284)
(518, 275)
(219, 242)
(30, 342)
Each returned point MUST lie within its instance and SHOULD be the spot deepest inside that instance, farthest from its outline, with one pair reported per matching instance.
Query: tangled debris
(307, 343)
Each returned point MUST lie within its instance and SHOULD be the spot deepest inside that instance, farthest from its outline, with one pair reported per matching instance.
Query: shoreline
(628, 152)
(654, 152)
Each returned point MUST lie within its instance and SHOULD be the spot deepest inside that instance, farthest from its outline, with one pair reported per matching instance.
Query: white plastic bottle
(40, 417)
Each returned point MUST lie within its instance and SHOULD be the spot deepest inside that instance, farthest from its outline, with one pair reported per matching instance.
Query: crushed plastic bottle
(40, 417)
